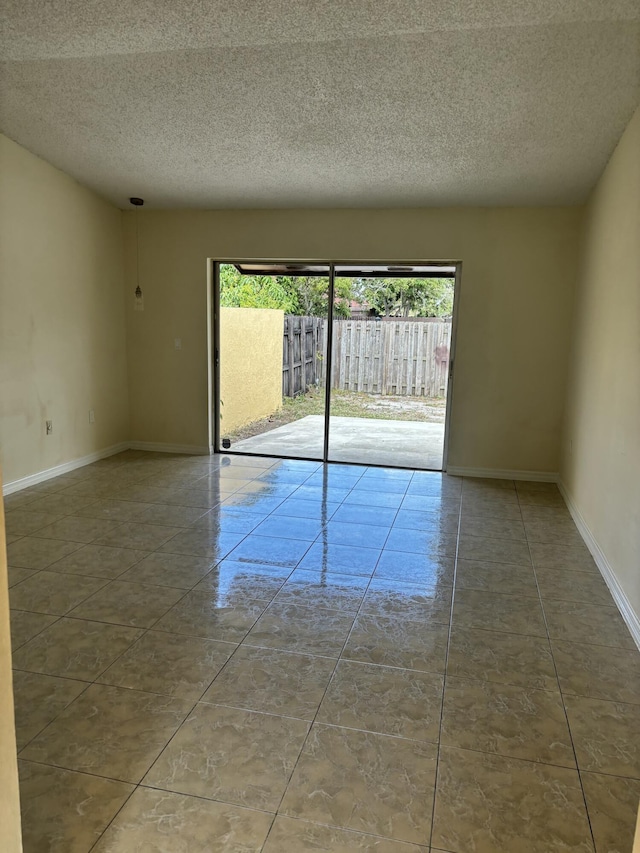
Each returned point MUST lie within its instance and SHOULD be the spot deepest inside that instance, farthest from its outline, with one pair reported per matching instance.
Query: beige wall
(62, 330)
(10, 833)
(250, 365)
(517, 290)
(601, 447)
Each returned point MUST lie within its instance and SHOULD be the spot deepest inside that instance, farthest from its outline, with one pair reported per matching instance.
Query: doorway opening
(335, 362)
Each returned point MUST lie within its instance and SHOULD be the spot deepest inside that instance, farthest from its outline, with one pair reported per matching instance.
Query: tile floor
(244, 654)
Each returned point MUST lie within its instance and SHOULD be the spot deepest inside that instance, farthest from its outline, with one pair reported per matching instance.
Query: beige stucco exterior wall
(62, 326)
(250, 365)
(601, 447)
(518, 276)
(10, 832)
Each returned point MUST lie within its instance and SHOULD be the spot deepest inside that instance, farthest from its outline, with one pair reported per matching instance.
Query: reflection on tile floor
(246, 654)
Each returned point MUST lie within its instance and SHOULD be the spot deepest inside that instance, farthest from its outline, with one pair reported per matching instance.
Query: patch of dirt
(347, 404)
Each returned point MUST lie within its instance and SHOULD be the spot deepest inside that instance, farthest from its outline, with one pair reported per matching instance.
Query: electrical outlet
(177, 342)
(49, 425)
(92, 417)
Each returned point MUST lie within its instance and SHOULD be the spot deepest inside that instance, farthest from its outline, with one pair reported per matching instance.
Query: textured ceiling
(322, 103)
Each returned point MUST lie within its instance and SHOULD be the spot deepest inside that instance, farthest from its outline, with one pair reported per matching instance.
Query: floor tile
(61, 504)
(109, 731)
(287, 527)
(136, 604)
(349, 533)
(228, 521)
(389, 485)
(99, 561)
(54, 593)
(490, 507)
(228, 754)
(269, 551)
(421, 542)
(134, 534)
(208, 544)
(507, 720)
(332, 493)
(502, 658)
(113, 510)
(38, 699)
(584, 623)
(387, 641)
(234, 583)
(371, 515)
(271, 681)
(162, 821)
(554, 556)
(606, 735)
(171, 515)
(25, 626)
(599, 672)
(431, 503)
(549, 530)
(412, 519)
(74, 528)
(492, 804)
(347, 559)
(381, 499)
(16, 575)
(494, 528)
(612, 803)
(364, 781)
(515, 614)
(494, 550)
(289, 835)
(30, 553)
(496, 577)
(21, 522)
(312, 630)
(181, 571)
(323, 589)
(171, 664)
(73, 648)
(202, 614)
(63, 811)
(298, 508)
(436, 569)
(415, 602)
(541, 497)
(252, 503)
(385, 700)
(563, 585)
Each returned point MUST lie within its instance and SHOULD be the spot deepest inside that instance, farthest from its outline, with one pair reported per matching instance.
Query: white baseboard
(64, 468)
(503, 474)
(631, 618)
(156, 447)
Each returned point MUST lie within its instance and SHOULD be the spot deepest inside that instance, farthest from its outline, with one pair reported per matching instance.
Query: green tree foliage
(303, 295)
(308, 295)
(406, 297)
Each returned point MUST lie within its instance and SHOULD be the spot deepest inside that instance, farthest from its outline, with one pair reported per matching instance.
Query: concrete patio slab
(361, 440)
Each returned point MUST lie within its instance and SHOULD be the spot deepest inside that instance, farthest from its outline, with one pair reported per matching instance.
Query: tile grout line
(564, 707)
(331, 677)
(444, 674)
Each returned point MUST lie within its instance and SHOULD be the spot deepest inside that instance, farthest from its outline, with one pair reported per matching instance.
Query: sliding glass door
(334, 362)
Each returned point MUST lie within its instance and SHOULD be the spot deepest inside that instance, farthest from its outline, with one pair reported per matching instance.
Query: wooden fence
(391, 357)
(302, 354)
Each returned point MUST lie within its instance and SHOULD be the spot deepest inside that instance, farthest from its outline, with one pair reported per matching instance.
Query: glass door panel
(272, 340)
(390, 365)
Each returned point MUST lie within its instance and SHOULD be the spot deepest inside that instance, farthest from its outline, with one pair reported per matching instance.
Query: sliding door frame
(213, 335)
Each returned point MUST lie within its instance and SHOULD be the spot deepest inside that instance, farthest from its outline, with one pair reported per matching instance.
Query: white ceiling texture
(322, 103)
